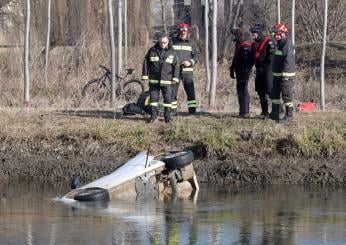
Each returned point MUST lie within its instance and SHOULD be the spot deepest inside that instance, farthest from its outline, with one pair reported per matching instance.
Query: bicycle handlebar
(105, 68)
(129, 72)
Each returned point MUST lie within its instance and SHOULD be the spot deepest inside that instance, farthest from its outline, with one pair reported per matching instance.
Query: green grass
(318, 135)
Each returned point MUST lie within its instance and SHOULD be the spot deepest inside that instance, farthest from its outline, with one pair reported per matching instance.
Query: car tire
(177, 159)
(92, 194)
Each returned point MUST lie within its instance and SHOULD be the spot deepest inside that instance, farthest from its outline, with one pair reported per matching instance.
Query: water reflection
(272, 215)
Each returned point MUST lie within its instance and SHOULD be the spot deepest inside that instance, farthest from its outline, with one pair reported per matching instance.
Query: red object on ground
(307, 106)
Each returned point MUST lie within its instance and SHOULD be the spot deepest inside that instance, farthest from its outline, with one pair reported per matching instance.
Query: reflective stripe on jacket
(161, 66)
(187, 50)
(284, 60)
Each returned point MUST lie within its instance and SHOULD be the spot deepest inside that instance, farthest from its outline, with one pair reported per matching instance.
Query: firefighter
(240, 69)
(283, 72)
(262, 52)
(161, 69)
(188, 53)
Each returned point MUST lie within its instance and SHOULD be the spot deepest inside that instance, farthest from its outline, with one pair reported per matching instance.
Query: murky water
(273, 215)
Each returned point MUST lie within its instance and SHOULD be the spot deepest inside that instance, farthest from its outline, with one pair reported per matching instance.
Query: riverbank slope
(53, 145)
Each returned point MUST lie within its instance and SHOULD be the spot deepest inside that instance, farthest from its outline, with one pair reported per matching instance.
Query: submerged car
(170, 173)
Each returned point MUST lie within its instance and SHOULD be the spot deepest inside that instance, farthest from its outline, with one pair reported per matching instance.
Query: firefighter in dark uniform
(283, 72)
(241, 67)
(263, 49)
(188, 53)
(161, 69)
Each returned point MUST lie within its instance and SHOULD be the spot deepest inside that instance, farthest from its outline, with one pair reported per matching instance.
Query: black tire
(92, 194)
(177, 159)
(97, 90)
(132, 89)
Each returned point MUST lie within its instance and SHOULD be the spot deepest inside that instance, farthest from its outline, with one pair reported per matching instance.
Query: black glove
(231, 72)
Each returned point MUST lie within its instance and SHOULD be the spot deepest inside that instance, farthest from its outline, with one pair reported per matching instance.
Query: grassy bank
(210, 135)
(57, 144)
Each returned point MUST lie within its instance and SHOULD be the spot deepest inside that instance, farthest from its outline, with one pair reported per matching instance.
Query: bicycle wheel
(96, 90)
(132, 89)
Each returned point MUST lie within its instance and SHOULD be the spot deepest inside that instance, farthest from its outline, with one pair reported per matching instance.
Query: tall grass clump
(217, 142)
(314, 142)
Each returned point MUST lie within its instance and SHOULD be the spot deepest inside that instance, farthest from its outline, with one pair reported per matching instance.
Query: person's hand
(285, 79)
(186, 63)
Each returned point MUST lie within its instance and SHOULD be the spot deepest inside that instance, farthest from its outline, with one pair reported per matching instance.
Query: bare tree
(264, 13)
(47, 41)
(120, 38)
(311, 25)
(324, 41)
(125, 34)
(278, 11)
(293, 23)
(214, 57)
(163, 15)
(112, 46)
(232, 21)
(196, 17)
(26, 54)
(206, 44)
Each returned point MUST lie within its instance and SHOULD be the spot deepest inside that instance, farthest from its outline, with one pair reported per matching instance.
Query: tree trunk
(278, 11)
(179, 10)
(293, 23)
(26, 55)
(206, 43)
(226, 38)
(196, 17)
(125, 34)
(231, 23)
(214, 56)
(47, 42)
(112, 47)
(163, 15)
(324, 41)
(120, 39)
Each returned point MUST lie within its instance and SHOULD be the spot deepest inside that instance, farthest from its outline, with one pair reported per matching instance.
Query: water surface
(217, 215)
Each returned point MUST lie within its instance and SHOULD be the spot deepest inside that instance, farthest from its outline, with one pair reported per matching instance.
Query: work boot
(153, 115)
(244, 115)
(275, 114)
(263, 115)
(167, 115)
(192, 110)
(288, 115)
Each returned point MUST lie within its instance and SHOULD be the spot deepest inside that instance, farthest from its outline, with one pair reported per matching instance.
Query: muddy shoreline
(236, 170)
(52, 146)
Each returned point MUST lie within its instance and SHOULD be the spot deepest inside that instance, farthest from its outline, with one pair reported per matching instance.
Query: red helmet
(279, 29)
(182, 27)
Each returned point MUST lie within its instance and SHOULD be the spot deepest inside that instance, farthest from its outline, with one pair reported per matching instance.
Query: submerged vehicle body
(166, 174)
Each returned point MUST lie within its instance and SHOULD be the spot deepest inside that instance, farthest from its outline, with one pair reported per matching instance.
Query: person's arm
(145, 70)
(247, 58)
(176, 69)
(195, 53)
(289, 61)
(231, 68)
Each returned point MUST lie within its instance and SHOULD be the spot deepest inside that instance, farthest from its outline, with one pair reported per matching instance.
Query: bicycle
(100, 89)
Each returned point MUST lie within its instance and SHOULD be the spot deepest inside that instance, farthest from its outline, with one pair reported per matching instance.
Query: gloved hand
(231, 72)
(186, 63)
(285, 79)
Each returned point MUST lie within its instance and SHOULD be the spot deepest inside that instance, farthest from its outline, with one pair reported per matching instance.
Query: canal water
(30, 214)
